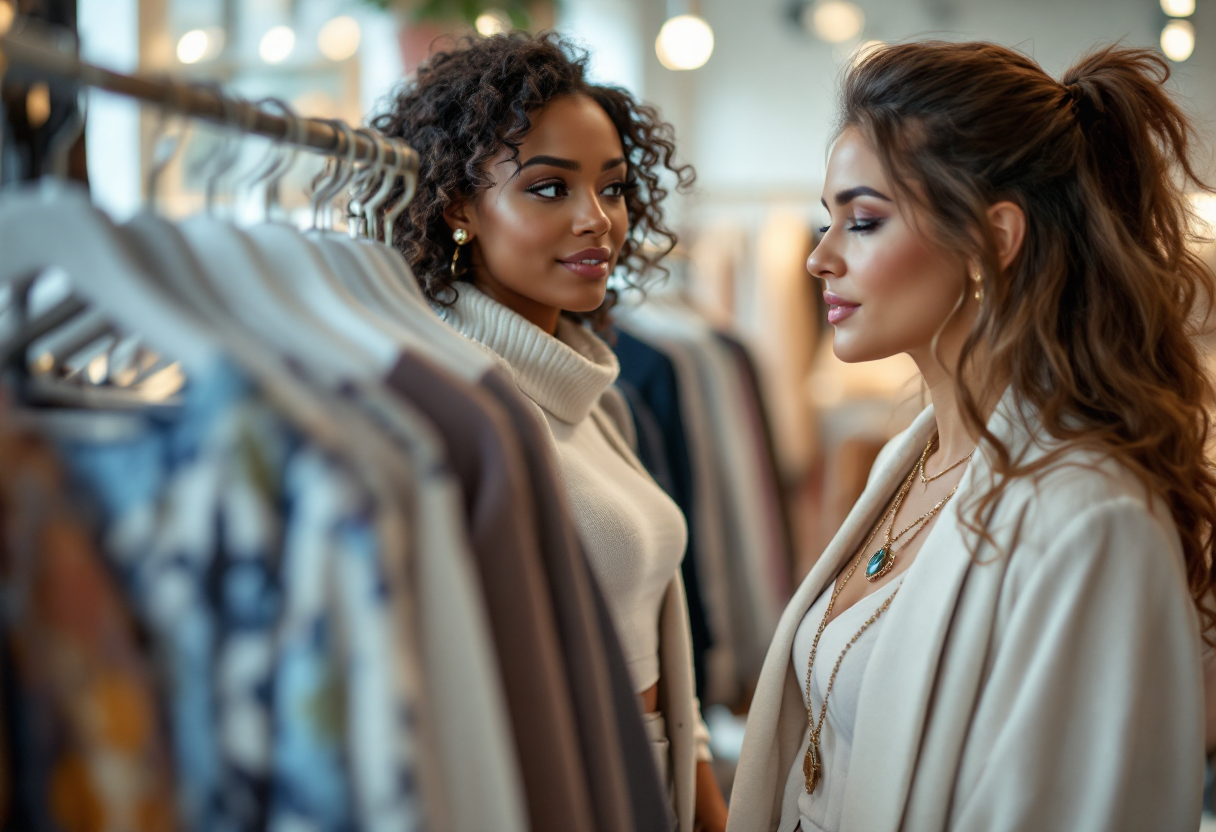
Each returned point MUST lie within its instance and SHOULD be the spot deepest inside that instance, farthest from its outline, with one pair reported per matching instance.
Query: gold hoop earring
(461, 237)
(979, 286)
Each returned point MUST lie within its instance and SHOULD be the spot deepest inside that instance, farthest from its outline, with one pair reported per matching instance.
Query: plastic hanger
(237, 273)
(296, 264)
(32, 219)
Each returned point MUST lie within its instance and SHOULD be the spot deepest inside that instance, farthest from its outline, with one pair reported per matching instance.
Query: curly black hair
(465, 105)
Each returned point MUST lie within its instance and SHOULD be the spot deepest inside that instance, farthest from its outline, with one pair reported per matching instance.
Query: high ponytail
(1095, 323)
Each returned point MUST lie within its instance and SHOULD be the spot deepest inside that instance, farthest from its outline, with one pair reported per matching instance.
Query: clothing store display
(976, 678)
(326, 575)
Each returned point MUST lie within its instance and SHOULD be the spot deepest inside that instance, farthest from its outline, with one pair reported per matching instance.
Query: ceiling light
(339, 38)
(684, 42)
(1178, 40)
(834, 20)
(277, 44)
(193, 46)
(1178, 8)
(6, 16)
(493, 22)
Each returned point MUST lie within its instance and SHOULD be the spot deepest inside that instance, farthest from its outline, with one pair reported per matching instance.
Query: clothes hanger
(295, 261)
(103, 274)
(251, 291)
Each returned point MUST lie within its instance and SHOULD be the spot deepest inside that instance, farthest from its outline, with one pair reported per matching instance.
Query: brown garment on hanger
(490, 467)
(617, 767)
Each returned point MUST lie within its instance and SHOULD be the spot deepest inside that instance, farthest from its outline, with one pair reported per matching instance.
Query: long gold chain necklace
(883, 561)
(812, 766)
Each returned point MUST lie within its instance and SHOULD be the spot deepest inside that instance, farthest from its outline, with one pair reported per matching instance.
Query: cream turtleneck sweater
(633, 533)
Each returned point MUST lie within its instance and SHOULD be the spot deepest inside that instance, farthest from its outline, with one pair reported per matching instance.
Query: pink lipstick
(838, 307)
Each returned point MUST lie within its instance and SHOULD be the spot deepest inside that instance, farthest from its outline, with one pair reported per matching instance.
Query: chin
(855, 350)
(584, 302)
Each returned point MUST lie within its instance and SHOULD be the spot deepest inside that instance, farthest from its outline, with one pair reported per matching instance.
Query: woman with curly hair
(535, 187)
(1005, 634)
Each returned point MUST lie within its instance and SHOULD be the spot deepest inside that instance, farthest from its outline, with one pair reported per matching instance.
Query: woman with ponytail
(1006, 633)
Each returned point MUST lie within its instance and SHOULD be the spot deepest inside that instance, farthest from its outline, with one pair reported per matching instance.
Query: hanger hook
(284, 152)
(161, 160)
(227, 151)
(366, 183)
(343, 170)
(409, 159)
(372, 209)
(59, 150)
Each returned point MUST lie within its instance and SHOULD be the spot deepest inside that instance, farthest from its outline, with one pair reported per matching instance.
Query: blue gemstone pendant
(879, 565)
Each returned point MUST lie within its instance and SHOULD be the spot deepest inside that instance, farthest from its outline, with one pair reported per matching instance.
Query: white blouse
(821, 811)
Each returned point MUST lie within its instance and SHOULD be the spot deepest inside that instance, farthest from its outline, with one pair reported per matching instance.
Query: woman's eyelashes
(859, 226)
(556, 189)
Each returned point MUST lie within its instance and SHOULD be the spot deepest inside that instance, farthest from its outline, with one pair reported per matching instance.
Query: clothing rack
(29, 57)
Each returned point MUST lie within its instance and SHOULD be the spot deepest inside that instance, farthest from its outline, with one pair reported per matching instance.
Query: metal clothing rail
(27, 58)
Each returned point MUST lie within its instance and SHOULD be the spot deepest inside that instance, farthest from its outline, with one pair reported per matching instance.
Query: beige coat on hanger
(1052, 685)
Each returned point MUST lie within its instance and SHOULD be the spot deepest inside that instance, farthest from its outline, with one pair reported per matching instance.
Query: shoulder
(1086, 520)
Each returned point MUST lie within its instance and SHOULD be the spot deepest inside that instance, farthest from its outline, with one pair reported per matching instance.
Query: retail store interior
(751, 89)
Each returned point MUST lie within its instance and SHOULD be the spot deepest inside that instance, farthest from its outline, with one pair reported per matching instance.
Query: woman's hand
(711, 807)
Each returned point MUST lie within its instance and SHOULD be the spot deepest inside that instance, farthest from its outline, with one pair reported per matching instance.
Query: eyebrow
(568, 164)
(846, 196)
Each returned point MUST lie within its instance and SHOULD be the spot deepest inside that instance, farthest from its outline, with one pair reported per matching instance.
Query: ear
(1008, 222)
(461, 214)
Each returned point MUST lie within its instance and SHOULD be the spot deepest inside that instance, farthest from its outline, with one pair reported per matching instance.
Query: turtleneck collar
(565, 375)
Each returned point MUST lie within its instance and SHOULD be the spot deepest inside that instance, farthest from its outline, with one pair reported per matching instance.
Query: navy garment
(648, 379)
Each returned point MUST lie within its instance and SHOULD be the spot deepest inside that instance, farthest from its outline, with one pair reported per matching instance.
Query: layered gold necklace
(881, 562)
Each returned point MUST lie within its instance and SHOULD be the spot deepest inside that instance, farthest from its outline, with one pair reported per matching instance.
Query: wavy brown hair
(1094, 325)
(467, 104)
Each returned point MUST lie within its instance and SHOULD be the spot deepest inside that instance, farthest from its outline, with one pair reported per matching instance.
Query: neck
(539, 314)
(955, 437)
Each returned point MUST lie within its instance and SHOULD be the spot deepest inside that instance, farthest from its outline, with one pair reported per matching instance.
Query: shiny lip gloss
(838, 307)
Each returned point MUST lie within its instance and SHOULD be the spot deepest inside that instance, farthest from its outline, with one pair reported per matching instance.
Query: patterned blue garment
(254, 560)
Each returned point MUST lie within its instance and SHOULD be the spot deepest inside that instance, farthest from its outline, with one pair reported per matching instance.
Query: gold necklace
(812, 766)
(927, 479)
(883, 561)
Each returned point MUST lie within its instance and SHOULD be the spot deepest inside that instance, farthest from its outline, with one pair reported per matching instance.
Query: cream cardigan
(1052, 683)
(568, 381)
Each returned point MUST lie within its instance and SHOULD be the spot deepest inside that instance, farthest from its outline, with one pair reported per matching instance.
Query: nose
(824, 262)
(590, 219)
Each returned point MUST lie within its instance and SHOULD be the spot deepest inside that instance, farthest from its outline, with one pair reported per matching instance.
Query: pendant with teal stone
(880, 564)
